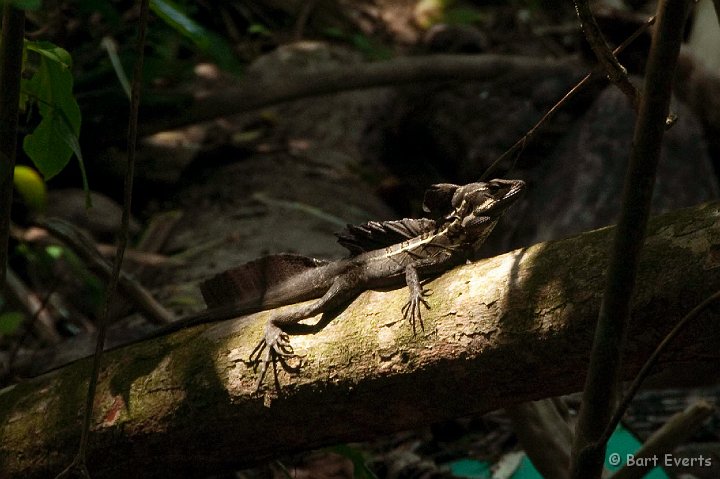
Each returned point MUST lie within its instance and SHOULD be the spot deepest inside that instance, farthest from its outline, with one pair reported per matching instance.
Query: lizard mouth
(475, 221)
(515, 188)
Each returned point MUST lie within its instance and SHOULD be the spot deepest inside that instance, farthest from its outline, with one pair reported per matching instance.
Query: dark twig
(615, 71)
(42, 323)
(85, 249)
(601, 382)
(29, 323)
(11, 46)
(647, 367)
(80, 461)
(527, 137)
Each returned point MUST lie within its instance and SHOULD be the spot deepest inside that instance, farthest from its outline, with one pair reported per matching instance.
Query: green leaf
(68, 136)
(111, 49)
(206, 41)
(335, 32)
(173, 16)
(51, 52)
(54, 251)
(463, 16)
(55, 139)
(259, 29)
(10, 322)
(26, 4)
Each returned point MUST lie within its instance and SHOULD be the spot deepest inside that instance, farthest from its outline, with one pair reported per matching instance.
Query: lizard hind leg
(412, 310)
(275, 343)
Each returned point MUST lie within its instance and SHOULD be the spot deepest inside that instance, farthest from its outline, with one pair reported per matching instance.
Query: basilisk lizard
(381, 254)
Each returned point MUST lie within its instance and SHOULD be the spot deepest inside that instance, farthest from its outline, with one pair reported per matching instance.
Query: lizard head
(480, 204)
(476, 207)
(447, 201)
(489, 199)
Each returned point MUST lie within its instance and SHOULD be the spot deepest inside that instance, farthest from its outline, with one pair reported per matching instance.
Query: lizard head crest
(470, 212)
(481, 199)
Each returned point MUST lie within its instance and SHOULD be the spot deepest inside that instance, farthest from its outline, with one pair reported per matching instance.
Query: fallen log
(500, 331)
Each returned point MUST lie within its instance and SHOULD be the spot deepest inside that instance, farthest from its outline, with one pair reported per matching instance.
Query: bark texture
(508, 329)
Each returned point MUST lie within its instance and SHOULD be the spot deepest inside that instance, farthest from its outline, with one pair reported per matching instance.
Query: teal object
(623, 442)
(526, 470)
(622, 445)
(471, 469)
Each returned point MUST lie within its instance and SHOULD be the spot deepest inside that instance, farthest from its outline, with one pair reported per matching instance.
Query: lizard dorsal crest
(249, 282)
(380, 234)
(438, 201)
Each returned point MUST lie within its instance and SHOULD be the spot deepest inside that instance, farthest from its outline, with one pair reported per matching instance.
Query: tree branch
(504, 330)
(11, 47)
(616, 73)
(251, 94)
(599, 394)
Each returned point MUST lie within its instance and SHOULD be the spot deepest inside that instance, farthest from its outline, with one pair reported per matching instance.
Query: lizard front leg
(412, 310)
(276, 342)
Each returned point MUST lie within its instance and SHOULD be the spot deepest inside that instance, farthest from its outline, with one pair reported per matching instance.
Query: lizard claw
(274, 343)
(412, 310)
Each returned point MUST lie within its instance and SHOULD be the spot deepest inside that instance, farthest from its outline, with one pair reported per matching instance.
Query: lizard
(381, 255)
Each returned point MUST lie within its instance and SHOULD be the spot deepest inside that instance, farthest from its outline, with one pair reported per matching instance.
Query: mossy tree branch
(504, 330)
